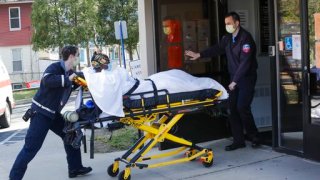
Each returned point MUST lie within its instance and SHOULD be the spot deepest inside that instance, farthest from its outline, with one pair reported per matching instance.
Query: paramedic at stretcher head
(240, 49)
(55, 89)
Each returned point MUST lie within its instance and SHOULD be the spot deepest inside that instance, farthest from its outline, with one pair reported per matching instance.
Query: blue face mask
(109, 67)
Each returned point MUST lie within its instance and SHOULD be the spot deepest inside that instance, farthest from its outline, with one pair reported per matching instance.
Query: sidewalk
(242, 164)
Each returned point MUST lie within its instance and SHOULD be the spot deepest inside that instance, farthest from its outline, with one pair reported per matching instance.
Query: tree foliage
(60, 22)
(110, 11)
(77, 22)
(313, 7)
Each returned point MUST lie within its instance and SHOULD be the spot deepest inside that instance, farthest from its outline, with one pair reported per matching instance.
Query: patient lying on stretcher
(107, 86)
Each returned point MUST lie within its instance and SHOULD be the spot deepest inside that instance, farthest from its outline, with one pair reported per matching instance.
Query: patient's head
(100, 61)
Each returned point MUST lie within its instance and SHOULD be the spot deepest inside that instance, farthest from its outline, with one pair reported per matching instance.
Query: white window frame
(15, 29)
(13, 60)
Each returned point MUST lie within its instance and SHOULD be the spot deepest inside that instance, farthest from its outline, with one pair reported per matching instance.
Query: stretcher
(156, 117)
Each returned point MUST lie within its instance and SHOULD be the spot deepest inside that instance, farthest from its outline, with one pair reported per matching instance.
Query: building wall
(146, 35)
(30, 64)
(18, 37)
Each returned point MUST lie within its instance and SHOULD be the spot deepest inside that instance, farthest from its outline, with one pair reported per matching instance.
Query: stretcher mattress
(150, 102)
(108, 87)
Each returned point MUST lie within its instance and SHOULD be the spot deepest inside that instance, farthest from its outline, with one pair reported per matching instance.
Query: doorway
(191, 25)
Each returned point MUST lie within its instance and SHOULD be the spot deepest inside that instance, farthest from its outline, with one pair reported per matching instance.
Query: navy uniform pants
(38, 129)
(240, 100)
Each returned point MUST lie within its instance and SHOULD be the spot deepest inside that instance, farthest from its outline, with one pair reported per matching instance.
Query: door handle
(272, 51)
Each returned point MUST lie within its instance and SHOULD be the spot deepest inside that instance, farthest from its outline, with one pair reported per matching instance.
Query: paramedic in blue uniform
(54, 92)
(240, 49)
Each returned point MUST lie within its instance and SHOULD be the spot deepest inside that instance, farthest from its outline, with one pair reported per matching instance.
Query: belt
(43, 107)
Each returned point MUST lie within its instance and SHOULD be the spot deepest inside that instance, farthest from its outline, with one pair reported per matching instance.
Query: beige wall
(29, 63)
(146, 35)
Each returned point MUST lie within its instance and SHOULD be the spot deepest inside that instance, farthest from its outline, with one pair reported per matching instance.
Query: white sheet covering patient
(108, 87)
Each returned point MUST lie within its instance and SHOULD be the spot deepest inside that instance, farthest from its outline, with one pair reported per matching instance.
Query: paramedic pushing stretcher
(54, 92)
(240, 50)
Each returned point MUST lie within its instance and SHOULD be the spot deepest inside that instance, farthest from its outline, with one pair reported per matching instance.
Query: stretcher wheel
(121, 176)
(205, 163)
(110, 171)
(190, 153)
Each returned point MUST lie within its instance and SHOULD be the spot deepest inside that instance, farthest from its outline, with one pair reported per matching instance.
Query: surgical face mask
(167, 30)
(109, 67)
(230, 28)
(76, 61)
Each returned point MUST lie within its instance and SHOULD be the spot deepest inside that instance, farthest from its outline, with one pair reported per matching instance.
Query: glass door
(185, 25)
(289, 75)
(312, 123)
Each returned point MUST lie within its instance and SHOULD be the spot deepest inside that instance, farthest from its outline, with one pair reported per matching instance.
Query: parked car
(6, 97)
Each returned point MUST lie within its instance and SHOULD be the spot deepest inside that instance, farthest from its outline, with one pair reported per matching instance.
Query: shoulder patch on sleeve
(246, 48)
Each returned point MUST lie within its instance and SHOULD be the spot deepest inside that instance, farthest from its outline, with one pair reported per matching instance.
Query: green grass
(26, 94)
(122, 139)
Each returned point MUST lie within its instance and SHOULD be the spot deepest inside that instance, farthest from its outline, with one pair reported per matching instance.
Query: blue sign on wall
(288, 43)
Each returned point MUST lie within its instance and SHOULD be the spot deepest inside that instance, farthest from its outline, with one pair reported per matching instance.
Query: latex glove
(192, 55)
(72, 76)
(232, 86)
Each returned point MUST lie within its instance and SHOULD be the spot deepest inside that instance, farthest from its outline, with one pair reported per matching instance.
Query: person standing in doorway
(240, 49)
(55, 89)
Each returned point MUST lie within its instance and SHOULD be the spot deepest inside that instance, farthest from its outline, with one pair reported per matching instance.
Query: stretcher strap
(134, 87)
(155, 92)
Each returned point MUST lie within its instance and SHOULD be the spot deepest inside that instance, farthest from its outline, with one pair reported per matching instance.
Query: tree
(60, 22)
(110, 11)
(313, 7)
(57, 23)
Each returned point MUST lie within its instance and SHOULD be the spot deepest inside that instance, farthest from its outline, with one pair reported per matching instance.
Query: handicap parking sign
(288, 43)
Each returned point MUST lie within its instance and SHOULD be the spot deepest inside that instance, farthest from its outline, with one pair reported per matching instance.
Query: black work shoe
(81, 171)
(234, 146)
(255, 143)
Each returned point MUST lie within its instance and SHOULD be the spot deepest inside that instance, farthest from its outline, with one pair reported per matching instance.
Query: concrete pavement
(247, 163)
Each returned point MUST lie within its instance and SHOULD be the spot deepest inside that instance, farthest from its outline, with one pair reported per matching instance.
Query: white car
(6, 97)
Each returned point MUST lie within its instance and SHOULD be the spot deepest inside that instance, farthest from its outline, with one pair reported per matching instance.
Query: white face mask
(76, 61)
(230, 29)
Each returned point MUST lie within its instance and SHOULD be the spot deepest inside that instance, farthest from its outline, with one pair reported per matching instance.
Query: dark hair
(67, 51)
(235, 16)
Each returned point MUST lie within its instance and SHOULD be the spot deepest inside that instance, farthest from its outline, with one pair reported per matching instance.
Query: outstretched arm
(213, 51)
(192, 55)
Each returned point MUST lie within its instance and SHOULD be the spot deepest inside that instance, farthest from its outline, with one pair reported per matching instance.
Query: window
(314, 54)
(185, 25)
(116, 53)
(111, 53)
(16, 60)
(14, 18)
(82, 56)
(17, 86)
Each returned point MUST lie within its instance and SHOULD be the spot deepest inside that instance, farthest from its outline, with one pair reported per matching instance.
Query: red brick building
(15, 23)
(15, 41)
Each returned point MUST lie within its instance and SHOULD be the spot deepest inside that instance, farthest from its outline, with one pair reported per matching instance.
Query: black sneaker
(255, 143)
(81, 171)
(234, 146)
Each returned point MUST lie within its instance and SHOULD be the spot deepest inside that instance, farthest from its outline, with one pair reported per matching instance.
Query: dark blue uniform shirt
(240, 52)
(54, 92)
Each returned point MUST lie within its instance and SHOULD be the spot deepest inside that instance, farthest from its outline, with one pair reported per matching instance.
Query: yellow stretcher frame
(156, 132)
